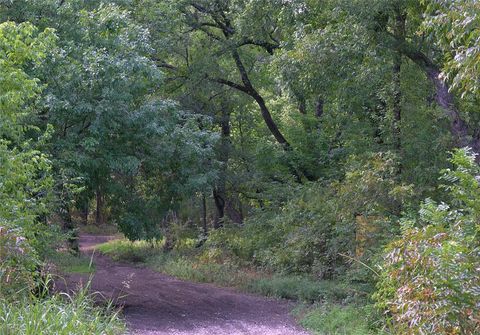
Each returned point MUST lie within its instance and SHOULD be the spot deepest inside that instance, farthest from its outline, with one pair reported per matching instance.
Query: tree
(113, 130)
(25, 171)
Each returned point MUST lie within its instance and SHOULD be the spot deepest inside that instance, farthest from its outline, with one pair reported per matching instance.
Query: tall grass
(68, 263)
(331, 319)
(60, 314)
(299, 288)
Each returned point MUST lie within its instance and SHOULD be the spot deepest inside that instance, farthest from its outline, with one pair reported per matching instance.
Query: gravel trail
(157, 304)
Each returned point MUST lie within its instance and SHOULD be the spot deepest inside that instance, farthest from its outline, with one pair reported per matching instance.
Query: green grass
(59, 315)
(68, 263)
(126, 251)
(299, 288)
(332, 319)
(190, 269)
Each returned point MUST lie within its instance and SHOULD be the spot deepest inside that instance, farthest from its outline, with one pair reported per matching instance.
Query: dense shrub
(315, 231)
(430, 282)
(17, 263)
(25, 178)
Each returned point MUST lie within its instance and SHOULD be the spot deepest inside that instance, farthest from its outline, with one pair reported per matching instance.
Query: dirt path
(156, 304)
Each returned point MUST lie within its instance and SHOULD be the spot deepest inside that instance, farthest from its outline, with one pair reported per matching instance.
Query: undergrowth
(60, 314)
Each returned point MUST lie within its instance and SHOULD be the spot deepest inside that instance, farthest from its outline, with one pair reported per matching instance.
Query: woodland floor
(157, 304)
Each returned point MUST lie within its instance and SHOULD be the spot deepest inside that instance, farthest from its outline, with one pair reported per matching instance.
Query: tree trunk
(458, 127)
(85, 212)
(219, 191)
(167, 232)
(234, 214)
(99, 217)
(319, 107)
(220, 205)
(302, 104)
(69, 228)
(250, 90)
(399, 32)
(204, 214)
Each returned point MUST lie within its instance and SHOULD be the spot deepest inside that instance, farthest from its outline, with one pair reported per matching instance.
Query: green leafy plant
(430, 282)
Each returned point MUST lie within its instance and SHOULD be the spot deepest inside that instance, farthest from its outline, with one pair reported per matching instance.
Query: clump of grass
(331, 319)
(299, 288)
(132, 252)
(194, 270)
(68, 263)
(59, 314)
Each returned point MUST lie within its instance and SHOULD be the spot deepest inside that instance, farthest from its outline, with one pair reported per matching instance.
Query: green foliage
(317, 223)
(20, 45)
(456, 27)
(59, 314)
(25, 179)
(115, 136)
(17, 263)
(430, 279)
(170, 114)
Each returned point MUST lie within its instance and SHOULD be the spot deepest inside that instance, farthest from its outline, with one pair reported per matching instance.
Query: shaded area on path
(157, 304)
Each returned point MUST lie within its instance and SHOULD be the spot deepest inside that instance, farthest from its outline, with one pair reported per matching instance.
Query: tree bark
(219, 199)
(250, 90)
(99, 215)
(234, 214)
(219, 192)
(302, 103)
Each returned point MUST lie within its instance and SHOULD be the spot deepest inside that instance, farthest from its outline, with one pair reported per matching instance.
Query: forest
(266, 167)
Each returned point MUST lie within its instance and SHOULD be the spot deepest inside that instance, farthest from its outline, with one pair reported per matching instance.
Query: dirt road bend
(157, 304)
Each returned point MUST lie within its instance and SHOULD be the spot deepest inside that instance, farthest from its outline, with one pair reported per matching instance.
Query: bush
(430, 282)
(17, 264)
(311, 231)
